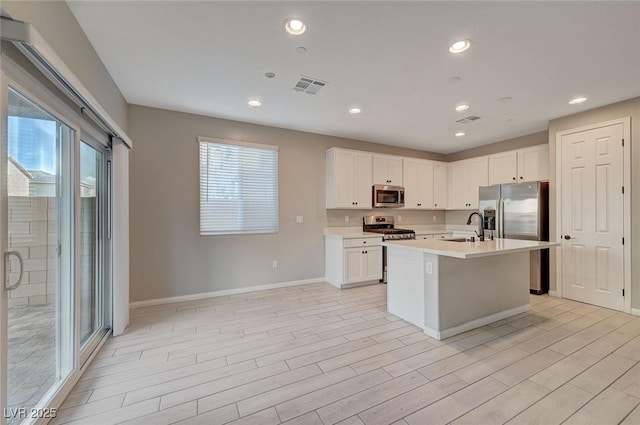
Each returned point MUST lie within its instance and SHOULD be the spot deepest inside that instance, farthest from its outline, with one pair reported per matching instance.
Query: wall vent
(468, 120)
(309, 85)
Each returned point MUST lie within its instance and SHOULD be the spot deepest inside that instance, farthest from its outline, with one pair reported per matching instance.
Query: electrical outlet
(435, 218)
(399, 218)
(429, 267)
(299, 219)
(346, 218)
(275, 264)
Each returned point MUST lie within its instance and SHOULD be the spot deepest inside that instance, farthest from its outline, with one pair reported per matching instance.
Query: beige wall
(534, 139)
(629, 108)
(168, 256)
(57, 25)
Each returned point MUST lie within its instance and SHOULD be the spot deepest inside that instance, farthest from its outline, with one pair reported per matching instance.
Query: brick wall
(32, 232)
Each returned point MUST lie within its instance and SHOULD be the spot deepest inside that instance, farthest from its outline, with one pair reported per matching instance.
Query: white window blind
(238, 188)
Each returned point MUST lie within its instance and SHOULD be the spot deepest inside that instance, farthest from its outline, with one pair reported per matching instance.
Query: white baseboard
(553, 293)
(446, 333)
(222, 293)
(635, 311)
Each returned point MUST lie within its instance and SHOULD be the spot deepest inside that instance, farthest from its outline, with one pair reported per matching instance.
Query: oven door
(388, 196)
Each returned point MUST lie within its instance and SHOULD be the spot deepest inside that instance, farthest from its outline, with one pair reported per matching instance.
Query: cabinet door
(418, 183)
(458, 185)
(411, 183)
(478, 176)
(425, 184)
(344, 164)
(353, 262)
(387, 170)
(502, 167)
(394, 167)
(372, 263)
(440, 185)
(380, 169)
(362, 183)
(533, 163)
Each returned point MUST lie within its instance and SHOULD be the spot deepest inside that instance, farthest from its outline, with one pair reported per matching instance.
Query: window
(238, 188)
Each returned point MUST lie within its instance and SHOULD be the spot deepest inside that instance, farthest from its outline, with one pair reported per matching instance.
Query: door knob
(567, 237)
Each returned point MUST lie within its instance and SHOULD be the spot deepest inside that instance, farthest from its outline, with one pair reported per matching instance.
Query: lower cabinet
(352, 261)
(362, 264)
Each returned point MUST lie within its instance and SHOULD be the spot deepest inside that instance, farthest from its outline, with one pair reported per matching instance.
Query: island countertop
(466, 250)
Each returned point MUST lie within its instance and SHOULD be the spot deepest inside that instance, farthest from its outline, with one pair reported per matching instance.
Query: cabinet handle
(521, 178)
(514, 178)
(364, 241)
(435, 205)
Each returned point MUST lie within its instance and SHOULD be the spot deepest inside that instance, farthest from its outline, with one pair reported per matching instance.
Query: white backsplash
(403, 218)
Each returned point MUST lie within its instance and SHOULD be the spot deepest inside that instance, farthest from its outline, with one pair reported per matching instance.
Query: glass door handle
(7, 257)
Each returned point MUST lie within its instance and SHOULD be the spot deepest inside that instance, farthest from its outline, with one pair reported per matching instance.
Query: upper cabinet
(418, 183)
(440, 185)
(425, 184)
(349, 179)
(522, 165)
(387, 170)
(465, 177)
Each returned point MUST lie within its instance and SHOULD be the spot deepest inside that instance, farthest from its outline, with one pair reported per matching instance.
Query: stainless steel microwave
(388, 196)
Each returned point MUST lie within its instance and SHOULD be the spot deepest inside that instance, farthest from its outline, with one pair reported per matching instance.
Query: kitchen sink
(456, 239)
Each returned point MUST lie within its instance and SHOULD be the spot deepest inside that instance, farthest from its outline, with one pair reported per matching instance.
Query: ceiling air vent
(309, 85)
(468, 120)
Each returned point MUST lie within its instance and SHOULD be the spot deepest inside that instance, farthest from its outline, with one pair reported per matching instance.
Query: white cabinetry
(425, 184)
(352, 261)
(387, 170)
(349, 179)
(522, 165)
(418, 183)
(533, 163)
(465, 177)
(440, 185)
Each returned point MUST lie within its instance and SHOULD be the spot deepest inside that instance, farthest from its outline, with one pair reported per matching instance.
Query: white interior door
(593, 215)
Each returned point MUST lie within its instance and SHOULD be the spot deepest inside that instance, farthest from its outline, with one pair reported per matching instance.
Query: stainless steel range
(386, 227)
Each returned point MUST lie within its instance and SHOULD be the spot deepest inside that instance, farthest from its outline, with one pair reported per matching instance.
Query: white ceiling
(391, 59)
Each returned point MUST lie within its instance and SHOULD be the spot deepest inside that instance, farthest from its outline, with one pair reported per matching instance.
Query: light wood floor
(316, 355)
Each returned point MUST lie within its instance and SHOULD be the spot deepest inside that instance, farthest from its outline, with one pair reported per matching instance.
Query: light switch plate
(429, 267)
(299, 219)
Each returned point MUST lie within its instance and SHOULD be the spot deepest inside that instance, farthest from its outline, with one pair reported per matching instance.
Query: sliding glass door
(39, 253)
(92, 248)
(53, 222)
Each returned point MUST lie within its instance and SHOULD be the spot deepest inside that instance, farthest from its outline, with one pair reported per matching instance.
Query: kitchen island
(448, 287)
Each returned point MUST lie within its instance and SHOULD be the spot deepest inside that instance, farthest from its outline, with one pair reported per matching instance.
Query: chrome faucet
(480, 231)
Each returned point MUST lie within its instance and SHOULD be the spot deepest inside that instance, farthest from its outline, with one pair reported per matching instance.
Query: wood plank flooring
(313, 354)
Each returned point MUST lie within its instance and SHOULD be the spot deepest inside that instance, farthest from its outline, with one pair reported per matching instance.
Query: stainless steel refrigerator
(520, 211)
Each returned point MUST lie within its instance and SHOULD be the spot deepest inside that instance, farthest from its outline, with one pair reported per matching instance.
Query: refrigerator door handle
(500, 218)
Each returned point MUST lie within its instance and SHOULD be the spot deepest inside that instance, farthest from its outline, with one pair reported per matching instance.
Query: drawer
(424, 236)
(442, 235)
(351, 243)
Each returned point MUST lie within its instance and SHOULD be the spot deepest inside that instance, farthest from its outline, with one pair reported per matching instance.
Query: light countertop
(356, 232)
(466, 250)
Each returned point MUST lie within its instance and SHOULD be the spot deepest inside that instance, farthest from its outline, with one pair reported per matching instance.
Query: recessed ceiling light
(254, 103)
(295, 26)
(462, 107)
(355, 110)
(460, 46)
(460, 134)
(577, 100)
